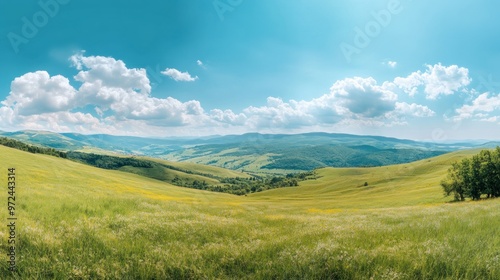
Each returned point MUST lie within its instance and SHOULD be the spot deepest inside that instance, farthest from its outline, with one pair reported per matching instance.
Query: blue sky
(408, 69)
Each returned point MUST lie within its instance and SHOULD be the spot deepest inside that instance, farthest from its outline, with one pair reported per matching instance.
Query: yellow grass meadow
(80, 222)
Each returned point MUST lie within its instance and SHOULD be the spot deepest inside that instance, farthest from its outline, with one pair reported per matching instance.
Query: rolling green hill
(286, 158)
(213, 171)
(260, 153)
(188, 175)
(80, 222)
(44, 138)
(408, 184)
(254, 152)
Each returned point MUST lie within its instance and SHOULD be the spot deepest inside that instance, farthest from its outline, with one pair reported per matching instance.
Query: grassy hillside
(180, 174)
(44, 138)
(283, 155)
(254, 152)
(388, 186)
(202, 169)
(80, 222)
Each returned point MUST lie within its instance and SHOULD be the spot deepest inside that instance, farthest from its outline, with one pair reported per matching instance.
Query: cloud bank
(112, 98)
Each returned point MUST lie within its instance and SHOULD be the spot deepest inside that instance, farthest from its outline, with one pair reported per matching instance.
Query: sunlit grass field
(80, 222)
(201, 169)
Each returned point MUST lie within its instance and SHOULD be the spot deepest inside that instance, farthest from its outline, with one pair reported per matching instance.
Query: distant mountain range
(254, 152)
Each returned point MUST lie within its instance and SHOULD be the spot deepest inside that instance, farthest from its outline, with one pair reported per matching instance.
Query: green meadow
(80, 222)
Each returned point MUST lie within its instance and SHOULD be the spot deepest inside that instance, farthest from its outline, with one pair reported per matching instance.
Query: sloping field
(79, 222)
(388, 186)
(202, 169)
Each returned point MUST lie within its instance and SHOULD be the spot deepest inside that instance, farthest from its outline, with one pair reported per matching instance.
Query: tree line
(243, 186)
(107, 162)
(11, 143)
(474, 177)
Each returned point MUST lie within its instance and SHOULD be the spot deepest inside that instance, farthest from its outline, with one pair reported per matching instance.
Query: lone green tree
(474, 177)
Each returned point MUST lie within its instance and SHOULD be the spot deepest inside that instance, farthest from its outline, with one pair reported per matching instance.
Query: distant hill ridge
(255, 152)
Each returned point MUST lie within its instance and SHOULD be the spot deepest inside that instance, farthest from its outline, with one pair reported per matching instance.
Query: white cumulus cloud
(436, 80)
(228, 117)
(110, 85)
(278, 114)
(179, 76)
(483, 104)
(100, 71)
(359, 100)
(413, 109)
(37, 93)
(362, 97)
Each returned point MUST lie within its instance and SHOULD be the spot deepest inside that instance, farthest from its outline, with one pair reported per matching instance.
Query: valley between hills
(382, 216)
